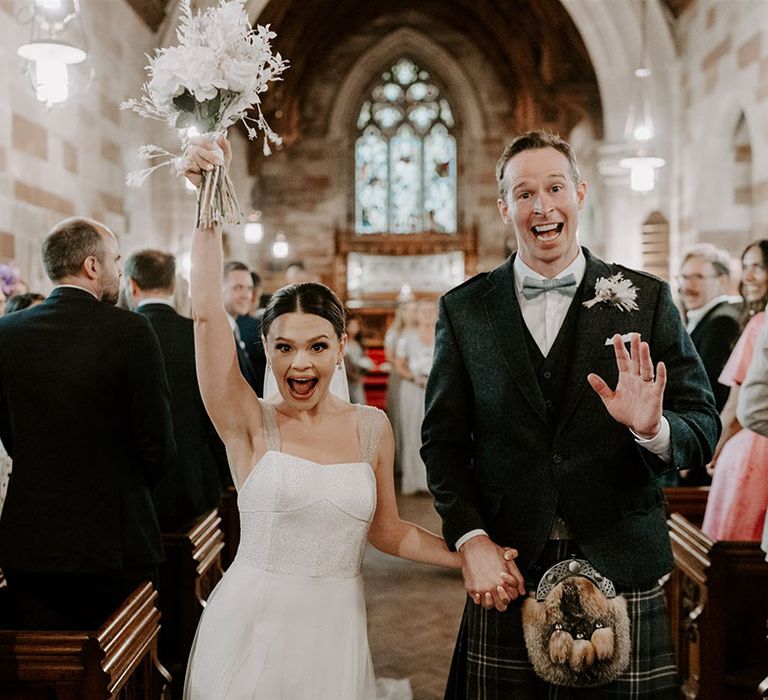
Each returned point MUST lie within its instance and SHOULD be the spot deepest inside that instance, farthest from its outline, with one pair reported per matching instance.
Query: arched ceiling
(533, 45)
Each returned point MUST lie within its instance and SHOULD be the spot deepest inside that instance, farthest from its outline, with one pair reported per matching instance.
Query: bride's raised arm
(229, 400)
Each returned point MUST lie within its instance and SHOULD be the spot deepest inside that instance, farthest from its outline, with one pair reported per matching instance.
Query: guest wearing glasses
(712, 321)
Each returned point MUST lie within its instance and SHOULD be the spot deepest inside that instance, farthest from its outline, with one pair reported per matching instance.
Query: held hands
(491, 577)
(204, 154)
(637, 400)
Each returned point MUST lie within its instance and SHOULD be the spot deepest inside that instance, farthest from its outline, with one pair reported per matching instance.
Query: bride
(314, 479)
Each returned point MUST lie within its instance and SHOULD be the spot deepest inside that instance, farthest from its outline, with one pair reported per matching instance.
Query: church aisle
(412, 634)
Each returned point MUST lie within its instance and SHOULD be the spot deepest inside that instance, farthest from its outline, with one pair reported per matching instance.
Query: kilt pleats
(490, 660)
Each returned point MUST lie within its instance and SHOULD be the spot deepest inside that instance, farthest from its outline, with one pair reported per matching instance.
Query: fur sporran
(576, 628)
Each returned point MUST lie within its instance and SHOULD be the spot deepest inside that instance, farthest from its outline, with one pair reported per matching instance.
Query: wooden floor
(413, 611)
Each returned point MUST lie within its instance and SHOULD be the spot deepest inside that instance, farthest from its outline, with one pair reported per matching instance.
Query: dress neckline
(311, 462)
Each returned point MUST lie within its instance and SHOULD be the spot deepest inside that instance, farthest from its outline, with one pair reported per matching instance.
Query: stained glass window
(405, 156)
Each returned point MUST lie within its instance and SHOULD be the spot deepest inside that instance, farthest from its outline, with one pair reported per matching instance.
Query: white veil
(339, 386)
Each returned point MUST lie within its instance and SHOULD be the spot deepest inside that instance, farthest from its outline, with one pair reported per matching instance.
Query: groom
(545, 433)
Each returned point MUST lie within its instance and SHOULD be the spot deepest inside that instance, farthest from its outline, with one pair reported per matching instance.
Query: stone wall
(72, 159)
(307, 190)
(723, 175)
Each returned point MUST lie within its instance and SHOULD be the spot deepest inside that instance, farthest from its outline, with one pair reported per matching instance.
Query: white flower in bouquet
(210, 81)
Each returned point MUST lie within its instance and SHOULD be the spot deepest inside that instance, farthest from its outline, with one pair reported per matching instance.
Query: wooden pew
(118, 661)
(230, 524)
(718, 607)
(688, 501)
(191, 569)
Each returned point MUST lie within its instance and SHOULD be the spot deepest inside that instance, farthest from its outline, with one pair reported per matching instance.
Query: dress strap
(269, 421)
(369, 430)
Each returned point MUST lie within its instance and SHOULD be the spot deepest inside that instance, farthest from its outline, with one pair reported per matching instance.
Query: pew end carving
(191, 570)
(718, 607)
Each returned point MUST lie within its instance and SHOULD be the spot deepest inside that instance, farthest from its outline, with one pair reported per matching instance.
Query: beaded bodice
(307, 519)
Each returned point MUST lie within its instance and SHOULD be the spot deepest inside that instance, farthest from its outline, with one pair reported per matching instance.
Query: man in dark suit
(192, 485)
(238, 293)
(249, 325)
(711, 319)
(522, 453)
(84, 414)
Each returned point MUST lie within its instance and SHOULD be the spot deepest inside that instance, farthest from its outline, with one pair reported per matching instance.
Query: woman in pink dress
(738, 498)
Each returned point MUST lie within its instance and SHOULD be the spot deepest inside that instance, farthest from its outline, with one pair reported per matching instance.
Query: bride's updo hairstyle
(309, 298)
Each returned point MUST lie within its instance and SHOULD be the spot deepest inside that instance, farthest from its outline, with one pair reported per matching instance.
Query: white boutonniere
(615, 290)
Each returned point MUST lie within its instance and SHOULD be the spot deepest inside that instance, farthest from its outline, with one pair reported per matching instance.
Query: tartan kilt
(490, 661)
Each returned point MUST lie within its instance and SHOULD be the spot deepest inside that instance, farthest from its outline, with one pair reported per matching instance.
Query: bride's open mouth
(302, 388)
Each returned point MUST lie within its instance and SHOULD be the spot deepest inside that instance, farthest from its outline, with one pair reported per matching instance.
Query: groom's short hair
(534, 140)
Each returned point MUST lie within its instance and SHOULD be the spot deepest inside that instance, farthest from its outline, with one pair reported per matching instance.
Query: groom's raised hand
(491, 579)
(638, 398)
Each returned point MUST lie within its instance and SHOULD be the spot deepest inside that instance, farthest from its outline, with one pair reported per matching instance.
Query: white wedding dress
(287, 621)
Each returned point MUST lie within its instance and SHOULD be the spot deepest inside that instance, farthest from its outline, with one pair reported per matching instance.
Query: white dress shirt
(543, 316)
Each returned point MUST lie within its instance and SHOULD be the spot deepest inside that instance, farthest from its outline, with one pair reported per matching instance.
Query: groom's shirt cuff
(469, 536)
(660, 444)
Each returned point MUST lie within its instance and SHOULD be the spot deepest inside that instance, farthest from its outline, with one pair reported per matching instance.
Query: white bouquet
(208, 82)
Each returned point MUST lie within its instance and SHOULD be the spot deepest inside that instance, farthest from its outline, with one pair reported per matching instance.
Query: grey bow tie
(534, 287)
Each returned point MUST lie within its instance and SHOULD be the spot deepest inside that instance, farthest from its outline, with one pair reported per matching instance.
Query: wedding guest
(249, 326)
(257, 308)
(752, 404)
(711, 319)
(404, 319)
(754, 280)
(19, 302)
(712, 322)
(237, 287)
(753, 401)
(84, 415)
(543, 432)
(192, 485)
(739, 494)
(314, 474)
(356, 363)
(413, 363)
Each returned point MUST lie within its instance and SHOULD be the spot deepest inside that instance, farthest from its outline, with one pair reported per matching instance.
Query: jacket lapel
(506, 323)
(590, 338)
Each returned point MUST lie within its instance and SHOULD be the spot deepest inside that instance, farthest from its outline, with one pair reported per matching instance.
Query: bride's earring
(338, 366)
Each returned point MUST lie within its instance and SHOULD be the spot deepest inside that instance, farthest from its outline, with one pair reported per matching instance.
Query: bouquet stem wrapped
(217, 198)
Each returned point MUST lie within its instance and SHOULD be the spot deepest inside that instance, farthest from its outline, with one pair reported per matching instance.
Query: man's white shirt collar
(695, 315)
